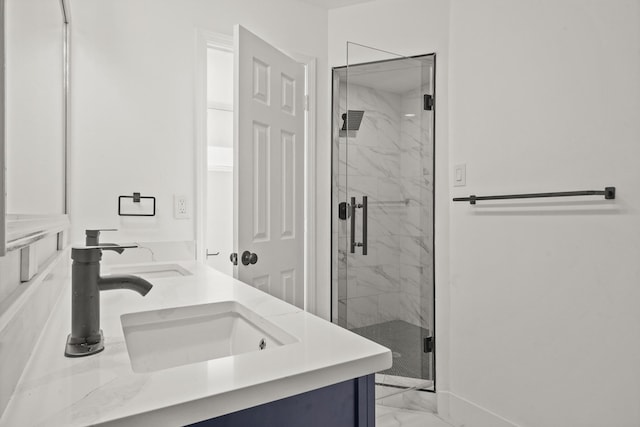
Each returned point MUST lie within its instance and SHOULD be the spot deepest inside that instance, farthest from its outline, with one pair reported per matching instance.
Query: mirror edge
(3, 199)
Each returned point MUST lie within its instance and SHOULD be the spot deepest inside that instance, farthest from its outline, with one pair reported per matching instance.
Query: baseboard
(442, 404)
(463, 413)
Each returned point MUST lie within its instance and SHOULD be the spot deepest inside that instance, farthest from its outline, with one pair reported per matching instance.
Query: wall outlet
(180, 207)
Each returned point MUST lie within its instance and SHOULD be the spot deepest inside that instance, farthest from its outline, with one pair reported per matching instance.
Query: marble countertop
(103, 389)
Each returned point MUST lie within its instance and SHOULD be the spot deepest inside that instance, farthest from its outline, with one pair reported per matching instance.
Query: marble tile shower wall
(416, 171)
(387, 161)
(373, 164)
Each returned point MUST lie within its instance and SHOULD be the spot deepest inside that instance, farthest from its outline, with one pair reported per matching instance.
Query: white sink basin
(150, 271)
(172, 337)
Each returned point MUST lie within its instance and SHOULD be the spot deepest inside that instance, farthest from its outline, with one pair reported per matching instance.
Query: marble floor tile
(393, 417)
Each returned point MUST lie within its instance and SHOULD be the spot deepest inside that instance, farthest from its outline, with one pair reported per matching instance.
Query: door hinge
(428, 345)
(343, 210)
(428, 102)
(306, 103)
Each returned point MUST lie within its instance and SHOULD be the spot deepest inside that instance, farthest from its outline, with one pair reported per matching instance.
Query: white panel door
(269, 173)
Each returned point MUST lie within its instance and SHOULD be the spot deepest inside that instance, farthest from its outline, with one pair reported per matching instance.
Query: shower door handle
(355, 206)
(353, 225)
(364, 225)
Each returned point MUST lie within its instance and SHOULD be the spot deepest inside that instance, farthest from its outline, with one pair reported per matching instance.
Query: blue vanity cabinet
(346, 404)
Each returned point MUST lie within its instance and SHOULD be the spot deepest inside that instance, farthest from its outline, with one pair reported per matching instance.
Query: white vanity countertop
(59, 391)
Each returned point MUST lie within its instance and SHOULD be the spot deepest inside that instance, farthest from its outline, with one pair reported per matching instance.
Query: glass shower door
(383, 206)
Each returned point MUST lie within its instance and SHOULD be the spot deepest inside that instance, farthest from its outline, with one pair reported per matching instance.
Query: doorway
(219, 181)
(383, 202)
(223, 212)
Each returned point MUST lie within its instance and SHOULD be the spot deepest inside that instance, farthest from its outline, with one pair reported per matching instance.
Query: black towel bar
(608, 193)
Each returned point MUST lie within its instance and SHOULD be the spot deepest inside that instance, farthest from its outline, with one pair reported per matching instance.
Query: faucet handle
(92, 236)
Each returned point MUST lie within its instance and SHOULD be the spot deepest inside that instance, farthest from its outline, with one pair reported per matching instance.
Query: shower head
(352, 119)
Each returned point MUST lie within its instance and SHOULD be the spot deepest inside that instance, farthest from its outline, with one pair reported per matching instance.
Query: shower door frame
(433, 199)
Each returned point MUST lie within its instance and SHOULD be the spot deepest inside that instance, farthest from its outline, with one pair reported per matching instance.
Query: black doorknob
(249, 258)
(233, 258)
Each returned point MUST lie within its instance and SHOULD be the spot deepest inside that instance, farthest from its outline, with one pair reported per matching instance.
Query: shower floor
(406, 343)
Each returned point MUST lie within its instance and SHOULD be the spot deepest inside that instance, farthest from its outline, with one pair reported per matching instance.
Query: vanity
(204, 349)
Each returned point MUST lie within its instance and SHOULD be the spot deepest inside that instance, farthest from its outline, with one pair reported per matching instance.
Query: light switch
(460, 175)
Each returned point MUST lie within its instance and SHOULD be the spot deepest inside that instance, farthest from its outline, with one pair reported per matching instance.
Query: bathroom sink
(150, 271)
(166, 338)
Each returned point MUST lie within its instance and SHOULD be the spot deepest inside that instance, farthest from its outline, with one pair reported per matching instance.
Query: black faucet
(86, 283)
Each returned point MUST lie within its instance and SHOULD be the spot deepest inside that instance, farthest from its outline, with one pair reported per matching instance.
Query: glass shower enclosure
(382, 207)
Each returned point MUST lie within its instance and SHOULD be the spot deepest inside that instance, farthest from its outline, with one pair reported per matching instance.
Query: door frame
(207, 39)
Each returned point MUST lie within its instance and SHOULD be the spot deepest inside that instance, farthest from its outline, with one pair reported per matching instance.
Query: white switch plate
(460, 175)
(180, 206)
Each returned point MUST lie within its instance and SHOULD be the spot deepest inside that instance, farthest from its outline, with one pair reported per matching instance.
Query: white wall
(545, 325)
(406, 27)
(133, 99)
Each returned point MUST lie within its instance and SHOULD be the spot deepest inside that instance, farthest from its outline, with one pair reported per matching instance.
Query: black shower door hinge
(428, 345)
(428, 102)
(343, 210)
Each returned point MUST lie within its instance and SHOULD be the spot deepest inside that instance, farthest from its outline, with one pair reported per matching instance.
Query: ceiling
(333, 4)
